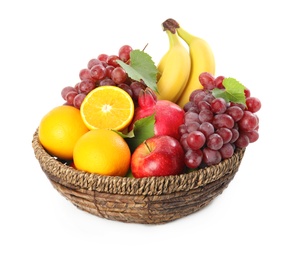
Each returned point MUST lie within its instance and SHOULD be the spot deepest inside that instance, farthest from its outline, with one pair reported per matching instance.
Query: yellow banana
(174, 69)
(162, 63)
(202, 60)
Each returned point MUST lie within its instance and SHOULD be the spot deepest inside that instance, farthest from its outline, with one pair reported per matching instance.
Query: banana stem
(171, 25)
(185, 35)
(173, 38)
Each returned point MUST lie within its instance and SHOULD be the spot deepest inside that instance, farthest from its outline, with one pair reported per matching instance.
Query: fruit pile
(128, 117)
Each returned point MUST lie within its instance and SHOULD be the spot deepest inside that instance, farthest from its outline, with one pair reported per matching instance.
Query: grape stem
(145, 47)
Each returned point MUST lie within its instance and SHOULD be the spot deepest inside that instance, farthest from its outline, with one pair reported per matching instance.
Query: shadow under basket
(153, 200)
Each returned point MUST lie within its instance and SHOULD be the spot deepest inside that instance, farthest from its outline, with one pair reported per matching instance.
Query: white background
(43, 46)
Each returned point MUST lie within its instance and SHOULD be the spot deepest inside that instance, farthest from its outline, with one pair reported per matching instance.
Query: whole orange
(102, 151)
(60, 129)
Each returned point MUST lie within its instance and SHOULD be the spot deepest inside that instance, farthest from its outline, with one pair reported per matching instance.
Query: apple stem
(148, 147)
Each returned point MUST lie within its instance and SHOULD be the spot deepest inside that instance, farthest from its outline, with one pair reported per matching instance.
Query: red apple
(168, 115)
(158, 156)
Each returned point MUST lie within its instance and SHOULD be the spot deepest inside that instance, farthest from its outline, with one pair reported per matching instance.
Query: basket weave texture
(153, 200)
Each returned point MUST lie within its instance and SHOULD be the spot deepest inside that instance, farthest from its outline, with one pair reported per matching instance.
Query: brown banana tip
(171, 25)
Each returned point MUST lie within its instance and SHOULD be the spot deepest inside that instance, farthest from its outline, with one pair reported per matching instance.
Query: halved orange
(107, 107)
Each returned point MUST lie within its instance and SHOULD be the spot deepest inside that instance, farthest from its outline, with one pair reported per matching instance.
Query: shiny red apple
(168, 115)
(158, 156)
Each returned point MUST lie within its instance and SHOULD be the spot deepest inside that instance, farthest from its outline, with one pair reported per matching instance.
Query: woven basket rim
(76, 179)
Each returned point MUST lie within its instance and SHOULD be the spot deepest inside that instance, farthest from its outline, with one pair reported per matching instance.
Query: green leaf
(141, 68)
(142, 130)
(233, 92)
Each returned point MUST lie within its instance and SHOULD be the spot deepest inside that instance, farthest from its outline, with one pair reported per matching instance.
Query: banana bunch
(201, 59)
(174, 69)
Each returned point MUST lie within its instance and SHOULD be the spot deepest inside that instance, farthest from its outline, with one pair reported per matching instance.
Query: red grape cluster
(101, 71)
(214, 128)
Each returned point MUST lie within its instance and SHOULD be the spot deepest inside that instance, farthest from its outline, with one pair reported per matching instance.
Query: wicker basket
(153, 200)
